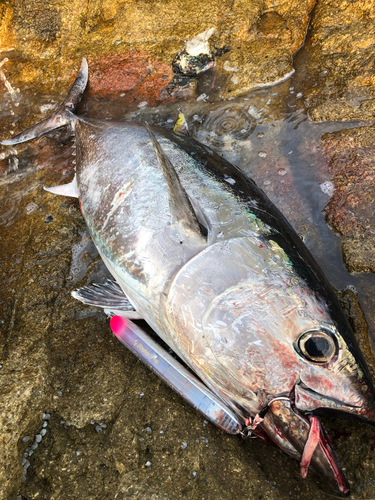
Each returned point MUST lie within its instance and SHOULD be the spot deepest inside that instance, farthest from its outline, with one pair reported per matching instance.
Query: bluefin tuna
(198, 251)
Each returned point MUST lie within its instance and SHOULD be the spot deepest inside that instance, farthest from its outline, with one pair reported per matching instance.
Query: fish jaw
(289, 430)
(307, 400)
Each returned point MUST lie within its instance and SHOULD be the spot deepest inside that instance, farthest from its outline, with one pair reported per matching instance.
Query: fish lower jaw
(307, 400)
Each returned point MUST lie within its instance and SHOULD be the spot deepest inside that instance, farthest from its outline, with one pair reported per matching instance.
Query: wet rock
(29, 279)
(134, 71)
(353, 311)
(132, 51)
(49, 346)
(351, 154)
(263, 45)
(59, 356)
(339, 61)
(45, 44)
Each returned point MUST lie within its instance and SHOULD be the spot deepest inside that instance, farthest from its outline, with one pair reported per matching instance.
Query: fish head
(328, 368)
(299, 358)
(286, 341)
(313, 367)
(320, 355)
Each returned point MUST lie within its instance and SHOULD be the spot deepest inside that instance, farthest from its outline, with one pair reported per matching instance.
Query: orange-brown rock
(132, 72)
(339, 65)
(350, 212)
(45, 41)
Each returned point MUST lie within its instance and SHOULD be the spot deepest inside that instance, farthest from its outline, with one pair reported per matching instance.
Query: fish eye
(317, 346)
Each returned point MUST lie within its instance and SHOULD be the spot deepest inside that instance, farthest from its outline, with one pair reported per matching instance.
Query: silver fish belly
(215, 269)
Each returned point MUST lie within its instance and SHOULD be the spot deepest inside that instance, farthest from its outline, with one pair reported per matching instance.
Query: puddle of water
(267, 134)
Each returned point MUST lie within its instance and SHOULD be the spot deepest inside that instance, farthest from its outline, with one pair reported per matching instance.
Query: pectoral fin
(109, 296)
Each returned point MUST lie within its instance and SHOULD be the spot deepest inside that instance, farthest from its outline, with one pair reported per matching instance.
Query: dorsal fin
(61, 116)
(181, 208)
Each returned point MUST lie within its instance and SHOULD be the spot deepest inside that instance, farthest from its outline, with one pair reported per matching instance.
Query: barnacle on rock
(196, 56)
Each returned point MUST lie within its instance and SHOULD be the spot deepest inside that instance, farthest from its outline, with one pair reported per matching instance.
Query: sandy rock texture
(340, 60)
(131, 46)
(80, 417)
(350, 154)
(98, 423)
(44, 41)
(105, 427)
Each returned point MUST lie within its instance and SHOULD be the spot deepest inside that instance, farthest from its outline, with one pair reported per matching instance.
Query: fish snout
(305, 439)
(360, 405)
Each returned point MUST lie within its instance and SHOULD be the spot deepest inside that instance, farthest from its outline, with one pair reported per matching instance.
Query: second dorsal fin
(181, 208)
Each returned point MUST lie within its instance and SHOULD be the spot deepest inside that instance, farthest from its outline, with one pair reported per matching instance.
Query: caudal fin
(61, 116)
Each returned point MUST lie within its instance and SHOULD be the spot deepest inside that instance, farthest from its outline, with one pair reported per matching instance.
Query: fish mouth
(307, 400)
(304, 438)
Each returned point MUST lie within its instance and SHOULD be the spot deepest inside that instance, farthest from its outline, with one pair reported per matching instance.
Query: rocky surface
(350, 154)
(97, 423)
(255, 43)
(111, 428)
(339, 61)
(94, 422)
(45, 43)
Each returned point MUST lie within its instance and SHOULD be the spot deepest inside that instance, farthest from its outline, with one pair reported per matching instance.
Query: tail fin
(61, 116)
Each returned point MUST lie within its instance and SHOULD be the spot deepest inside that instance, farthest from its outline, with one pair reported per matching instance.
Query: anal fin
(109, 296)
(70, 189)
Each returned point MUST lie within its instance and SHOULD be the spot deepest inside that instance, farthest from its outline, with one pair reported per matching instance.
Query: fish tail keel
(61, 116)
